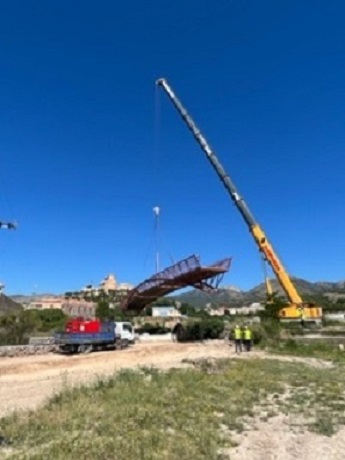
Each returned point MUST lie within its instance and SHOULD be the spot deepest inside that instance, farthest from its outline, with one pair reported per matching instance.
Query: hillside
(236, 298)
(230, 295)
(7, 305)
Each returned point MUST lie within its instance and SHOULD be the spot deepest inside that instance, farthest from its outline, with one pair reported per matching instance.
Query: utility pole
(156, 211)
(8, 226)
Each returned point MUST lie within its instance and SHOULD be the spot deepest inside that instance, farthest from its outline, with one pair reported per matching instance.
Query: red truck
(82, 325)
(83, 336)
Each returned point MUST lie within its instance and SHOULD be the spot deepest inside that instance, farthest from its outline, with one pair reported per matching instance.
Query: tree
(50, 320)
(188, 310)
(120, 315)
(103, 311)
(16, 329)
(272, 307)
(148, 310)
(163, 301)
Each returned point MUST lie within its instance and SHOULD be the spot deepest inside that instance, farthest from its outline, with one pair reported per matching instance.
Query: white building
(165, 312)
(107, 285)
(335, 316)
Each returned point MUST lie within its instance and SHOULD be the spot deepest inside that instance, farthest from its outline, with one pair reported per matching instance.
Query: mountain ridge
(228, 294)
(237, 298)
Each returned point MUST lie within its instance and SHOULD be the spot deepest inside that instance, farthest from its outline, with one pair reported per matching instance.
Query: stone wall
(11, 351)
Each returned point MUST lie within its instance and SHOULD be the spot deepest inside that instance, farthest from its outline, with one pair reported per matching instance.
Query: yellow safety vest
(301, 313)
(248, 334)
(238, 333)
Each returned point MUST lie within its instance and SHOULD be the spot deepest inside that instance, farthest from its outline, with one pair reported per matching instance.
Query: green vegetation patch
(314, 349)
(179, 414)
(16, 328)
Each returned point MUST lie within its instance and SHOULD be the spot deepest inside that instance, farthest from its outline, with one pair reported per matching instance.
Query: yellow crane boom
(296, 305)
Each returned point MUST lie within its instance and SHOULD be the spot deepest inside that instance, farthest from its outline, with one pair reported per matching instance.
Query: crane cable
(154, 162)
(155, 239)
(157, 166)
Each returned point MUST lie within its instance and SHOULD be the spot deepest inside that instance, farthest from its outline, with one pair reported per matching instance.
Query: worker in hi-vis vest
(302, 316)
(238, 339)
(247, 338)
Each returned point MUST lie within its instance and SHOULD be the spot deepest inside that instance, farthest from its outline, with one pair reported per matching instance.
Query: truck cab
(125, 331)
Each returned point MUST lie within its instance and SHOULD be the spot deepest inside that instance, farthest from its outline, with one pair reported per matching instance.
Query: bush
(268, 332)
(50, 320)
(16, 329)
(150, 328)
(204, 329)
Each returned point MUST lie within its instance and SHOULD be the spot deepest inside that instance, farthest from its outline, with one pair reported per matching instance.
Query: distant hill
(230, 295)
(25, 299)
(199, 299)
(8, 305)
(234, 297)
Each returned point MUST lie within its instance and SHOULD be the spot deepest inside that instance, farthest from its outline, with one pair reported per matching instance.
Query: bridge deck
(187, 272)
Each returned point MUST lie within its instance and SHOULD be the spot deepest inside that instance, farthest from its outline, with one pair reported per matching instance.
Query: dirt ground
(275, 440)
(26, 383)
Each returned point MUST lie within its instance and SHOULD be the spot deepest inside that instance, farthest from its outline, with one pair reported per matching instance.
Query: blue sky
(88, 147)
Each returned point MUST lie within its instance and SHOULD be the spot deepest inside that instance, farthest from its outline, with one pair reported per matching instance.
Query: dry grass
(179, 414)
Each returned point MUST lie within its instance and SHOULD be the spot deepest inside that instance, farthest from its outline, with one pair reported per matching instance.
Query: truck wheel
(84, 349)
(179, 333)
(120, 344)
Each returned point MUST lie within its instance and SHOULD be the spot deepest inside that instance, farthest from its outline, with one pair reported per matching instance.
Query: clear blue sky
(86, 155)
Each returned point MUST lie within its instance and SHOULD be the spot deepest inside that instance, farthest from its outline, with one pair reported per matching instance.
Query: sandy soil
(26, 383)
(275, 440)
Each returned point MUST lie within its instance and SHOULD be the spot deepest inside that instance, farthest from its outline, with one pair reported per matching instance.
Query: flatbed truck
(109, 335)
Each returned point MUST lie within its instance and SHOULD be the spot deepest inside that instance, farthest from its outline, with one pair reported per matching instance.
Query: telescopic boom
(259, 236)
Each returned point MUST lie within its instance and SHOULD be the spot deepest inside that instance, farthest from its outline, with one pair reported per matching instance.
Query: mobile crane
(296, 309)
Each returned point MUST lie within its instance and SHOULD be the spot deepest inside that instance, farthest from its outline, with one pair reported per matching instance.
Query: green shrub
(150, 328)
(206, 328)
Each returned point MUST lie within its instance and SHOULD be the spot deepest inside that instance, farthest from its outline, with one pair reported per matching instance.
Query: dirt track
(26, 382)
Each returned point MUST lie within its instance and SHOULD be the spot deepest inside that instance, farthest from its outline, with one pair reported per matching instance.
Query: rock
(4, 441)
